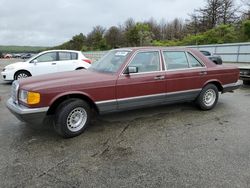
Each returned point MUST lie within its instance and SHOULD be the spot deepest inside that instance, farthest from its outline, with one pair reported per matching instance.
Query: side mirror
(35, 61)
(131, 70)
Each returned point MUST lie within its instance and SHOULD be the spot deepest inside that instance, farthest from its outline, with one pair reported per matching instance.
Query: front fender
(70, 93)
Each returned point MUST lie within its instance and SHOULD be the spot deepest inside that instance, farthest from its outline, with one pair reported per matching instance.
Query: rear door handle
(159, 77)
(53, 63)
(203, 73)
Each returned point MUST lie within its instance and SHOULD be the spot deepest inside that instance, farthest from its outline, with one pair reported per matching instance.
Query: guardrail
(234, 52)
(94, 55)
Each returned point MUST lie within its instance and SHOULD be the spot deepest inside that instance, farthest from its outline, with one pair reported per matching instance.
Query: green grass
(22, 49)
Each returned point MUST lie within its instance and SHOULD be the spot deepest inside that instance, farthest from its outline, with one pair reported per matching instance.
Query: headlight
(9, 68)
(29, 97)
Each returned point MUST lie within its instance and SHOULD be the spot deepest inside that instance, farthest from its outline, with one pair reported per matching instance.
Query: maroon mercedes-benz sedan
(123, 79)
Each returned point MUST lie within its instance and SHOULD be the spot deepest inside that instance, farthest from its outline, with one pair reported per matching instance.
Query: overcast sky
(52, 22)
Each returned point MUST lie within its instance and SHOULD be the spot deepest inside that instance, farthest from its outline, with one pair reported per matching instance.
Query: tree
(95, 39)
(246, 26)
(144, 34)
(228, 11)
(114, 37)
(246, 11)
(76, 43)
(211, 12)
(154, 28)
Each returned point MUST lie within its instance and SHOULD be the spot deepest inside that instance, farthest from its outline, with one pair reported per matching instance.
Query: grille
(14, 91)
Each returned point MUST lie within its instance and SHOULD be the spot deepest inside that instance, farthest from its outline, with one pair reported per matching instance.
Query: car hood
(67, 80)
(16, 65)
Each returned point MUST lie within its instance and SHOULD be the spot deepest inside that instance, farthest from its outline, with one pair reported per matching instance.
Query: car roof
(61, 51)
(154, 48)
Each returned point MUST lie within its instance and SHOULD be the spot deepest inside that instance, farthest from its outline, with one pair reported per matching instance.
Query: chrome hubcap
(209, 97)
(21, 76)
(76, 119)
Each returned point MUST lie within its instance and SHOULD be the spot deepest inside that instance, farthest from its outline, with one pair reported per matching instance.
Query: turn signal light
(33, 98)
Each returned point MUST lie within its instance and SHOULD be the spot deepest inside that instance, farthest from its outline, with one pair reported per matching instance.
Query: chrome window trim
(189, 68)
(139, 51)
(184, 69)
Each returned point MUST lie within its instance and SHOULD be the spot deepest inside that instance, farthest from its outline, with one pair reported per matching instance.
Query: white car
(46, 62)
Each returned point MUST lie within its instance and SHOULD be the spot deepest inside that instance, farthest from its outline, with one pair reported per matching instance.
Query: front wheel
(208, 97)
(72, 118)
(21, 75)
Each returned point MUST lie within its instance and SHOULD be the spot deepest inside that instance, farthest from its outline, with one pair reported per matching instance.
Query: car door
(147, 87)
(44, 64)
(67, 61)
(185, 75)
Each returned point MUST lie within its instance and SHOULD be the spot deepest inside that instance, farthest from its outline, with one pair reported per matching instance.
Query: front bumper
(29, 115)
(231, 87)
(7, 76)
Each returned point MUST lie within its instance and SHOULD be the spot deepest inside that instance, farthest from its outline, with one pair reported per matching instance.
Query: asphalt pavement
(168, 146)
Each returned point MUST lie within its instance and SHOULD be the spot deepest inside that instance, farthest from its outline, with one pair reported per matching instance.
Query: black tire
(79, 68)
(21, 75)
(208, 97)
(64, 118)
(246, 82)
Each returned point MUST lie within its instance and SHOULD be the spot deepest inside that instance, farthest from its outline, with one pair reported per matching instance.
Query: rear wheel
(208, 97)
(79, 68)
(21, 75)
(72, 118)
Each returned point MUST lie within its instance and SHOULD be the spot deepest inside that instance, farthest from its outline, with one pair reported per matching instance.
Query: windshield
(111, 62)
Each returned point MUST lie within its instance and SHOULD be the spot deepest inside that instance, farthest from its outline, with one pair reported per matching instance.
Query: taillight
(87, 61)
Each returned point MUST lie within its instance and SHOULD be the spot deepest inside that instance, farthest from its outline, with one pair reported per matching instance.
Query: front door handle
(159, 77)
(203, 73)
(53, 63)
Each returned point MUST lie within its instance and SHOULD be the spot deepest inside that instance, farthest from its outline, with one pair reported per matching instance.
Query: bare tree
(246, 11)
(155, 28)
(211, 12)
(228, 12)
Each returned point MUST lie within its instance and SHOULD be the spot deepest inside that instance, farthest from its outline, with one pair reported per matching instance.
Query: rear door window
(74, 56)
(64, 56)
(193, 61)
(175, 60)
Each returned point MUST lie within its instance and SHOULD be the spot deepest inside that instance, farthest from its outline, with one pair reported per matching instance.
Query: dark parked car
(215, 58)
(245, 74)
(26, 56)
(16, 55)
(123, 79)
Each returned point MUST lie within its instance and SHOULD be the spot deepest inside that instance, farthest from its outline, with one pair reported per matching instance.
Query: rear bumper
(29, 115)
(231, 87)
